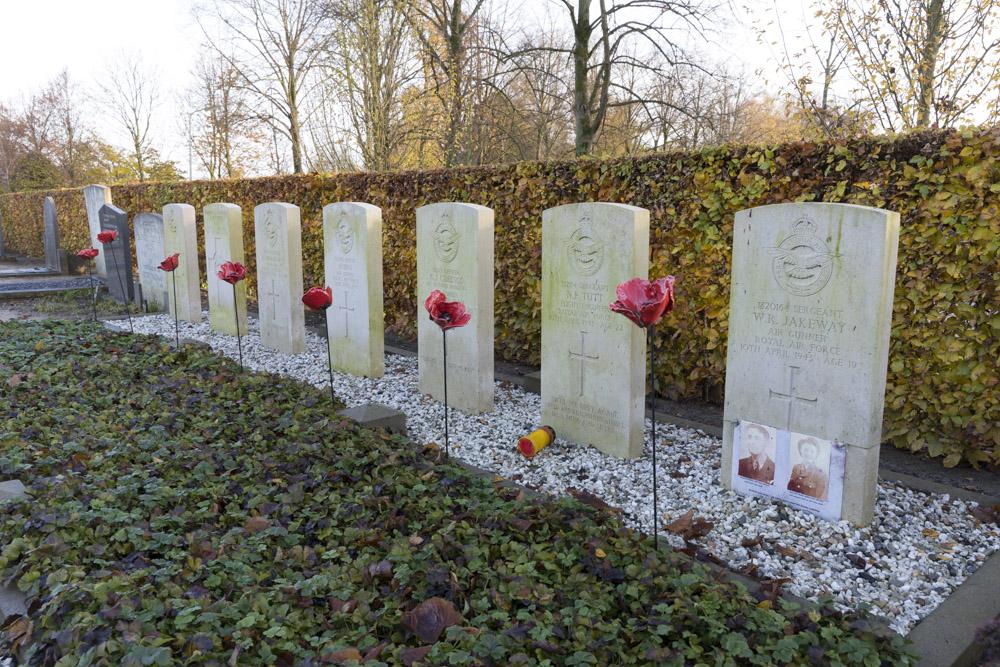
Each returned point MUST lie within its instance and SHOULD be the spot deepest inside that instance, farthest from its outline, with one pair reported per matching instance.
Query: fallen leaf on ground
(429, 619)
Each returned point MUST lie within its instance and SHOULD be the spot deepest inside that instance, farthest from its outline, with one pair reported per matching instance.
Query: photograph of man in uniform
(810, 476)
(758, 441)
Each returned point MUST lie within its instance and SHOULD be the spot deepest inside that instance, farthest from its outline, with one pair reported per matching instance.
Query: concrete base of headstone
(376, 415)
(533, 382)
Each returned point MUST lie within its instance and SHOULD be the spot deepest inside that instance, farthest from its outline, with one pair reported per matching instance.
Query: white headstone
(224, 243)
(180, 235)
(352, 249)
(809, 320)
(278, 237)
(149, 252)
(95, 197)
(455, 255)
(593, 360)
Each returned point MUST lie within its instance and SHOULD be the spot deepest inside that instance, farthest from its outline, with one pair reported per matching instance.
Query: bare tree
(613, 36)
(131, 94)
(445, 28)
(274, 46)
(371, 67)
(922, 62)
(230, 135)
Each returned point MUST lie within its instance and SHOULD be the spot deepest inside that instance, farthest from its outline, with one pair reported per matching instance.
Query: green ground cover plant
(183, 513)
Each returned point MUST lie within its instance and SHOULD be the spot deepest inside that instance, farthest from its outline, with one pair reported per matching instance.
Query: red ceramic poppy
(318, 298)
(87, 253)
(108, 236)
(170, 263)
(446, 314)
(645, 302)
(232, 272)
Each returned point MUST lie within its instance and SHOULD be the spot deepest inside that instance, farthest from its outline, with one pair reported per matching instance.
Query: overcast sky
(38, 38)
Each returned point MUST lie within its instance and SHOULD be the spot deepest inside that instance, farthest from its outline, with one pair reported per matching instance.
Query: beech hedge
(942, 389)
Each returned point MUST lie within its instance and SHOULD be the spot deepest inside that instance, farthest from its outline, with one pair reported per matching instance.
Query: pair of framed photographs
(802, 470)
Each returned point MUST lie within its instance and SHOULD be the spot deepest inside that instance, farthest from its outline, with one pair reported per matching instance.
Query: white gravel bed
(917, 550)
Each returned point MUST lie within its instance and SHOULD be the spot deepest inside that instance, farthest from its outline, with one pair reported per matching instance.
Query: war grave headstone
(55, 257)
(809, 323)
(278, 237)
(96, 196)
(181, 236)
(593, 360)
(352, 248)
(224, 243)
(149, 252)
(455, 255)
(117, 254)
(2, 256)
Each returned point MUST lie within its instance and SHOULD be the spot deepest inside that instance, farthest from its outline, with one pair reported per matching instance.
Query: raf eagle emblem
(802, 264)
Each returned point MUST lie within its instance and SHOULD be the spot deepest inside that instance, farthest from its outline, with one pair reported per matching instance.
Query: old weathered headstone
(54, 259)
(593, 360)
(278, 237)
(181, 236)
(224, 243)
(809, 318)
(455, 255)
(95, 197)
(352, 243)
(1, 238)
(149, 252)
(117, 254)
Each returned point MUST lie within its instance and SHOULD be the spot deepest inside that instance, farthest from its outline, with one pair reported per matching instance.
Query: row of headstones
(592, 360)
(808, 335)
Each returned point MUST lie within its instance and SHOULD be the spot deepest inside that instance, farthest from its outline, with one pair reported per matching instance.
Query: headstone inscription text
(180, 235)
(810, 313)
(224, 243)
(352, 243)
(455, 256)
(592, 358)
(149, 252)
(278, 237)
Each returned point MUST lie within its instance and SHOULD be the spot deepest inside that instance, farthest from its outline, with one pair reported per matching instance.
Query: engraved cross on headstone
(344, 309)
(792, 396)
(275, 295)
(582, 356)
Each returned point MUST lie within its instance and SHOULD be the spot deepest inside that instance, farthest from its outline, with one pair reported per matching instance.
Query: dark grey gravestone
(533, 382)
(51, 239)
(117, 254)
(149, 252)
(1, 238)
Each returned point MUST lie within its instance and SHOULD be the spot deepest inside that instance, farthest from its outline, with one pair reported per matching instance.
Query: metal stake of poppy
(232, 273)
(644, 303)
(447, 315)
(170, 266)
(108, 238)
(89, 254)
(319, 299)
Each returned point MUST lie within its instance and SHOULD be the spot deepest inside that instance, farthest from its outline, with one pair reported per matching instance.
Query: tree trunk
(928, 61)
(585, 130)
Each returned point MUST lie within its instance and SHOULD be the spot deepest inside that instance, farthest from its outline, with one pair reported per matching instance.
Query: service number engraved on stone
(446, 239)
(585, 249)
(802, 264)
